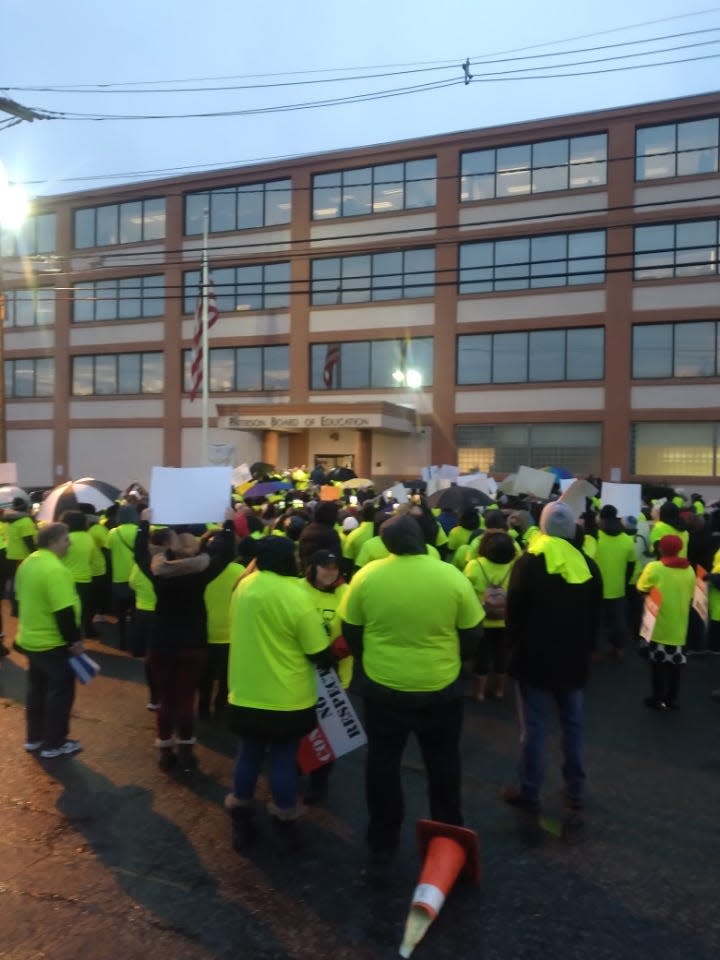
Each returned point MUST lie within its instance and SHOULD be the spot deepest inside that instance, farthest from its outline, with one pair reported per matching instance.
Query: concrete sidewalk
(103, 857)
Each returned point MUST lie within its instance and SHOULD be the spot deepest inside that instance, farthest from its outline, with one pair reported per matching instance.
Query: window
(677, 149)
(566, 164)
(363, 191)
(115, 374)
(558, 260)
(669, 250)
(234, 369)
(400, 275)
(127, 299)
(242, 207)
(531, 357)
(29, 308)
(371, 364)
(29, 377)
(676, 449)
(503, 448)
(118, 223)
(263, 286)
(662, 350)
(36, 236)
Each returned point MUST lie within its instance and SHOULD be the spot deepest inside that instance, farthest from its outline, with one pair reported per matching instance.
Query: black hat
(608, 512)
(324, 558)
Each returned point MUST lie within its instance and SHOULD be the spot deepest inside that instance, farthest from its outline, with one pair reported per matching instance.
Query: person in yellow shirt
(325, 586)
(79, 561)
(48, 633)
(21, 537)
(121, 543)
(276, 637)
(615, 556)
(673, 576)
(410, 621)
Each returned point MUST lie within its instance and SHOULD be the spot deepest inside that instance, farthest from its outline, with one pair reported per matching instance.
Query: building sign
(291, 422)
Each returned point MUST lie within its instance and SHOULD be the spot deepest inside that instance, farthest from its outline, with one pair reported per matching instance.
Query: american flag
(196, 364)
(332, 359)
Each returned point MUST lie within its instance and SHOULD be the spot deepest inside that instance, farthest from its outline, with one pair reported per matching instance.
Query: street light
(14, 209)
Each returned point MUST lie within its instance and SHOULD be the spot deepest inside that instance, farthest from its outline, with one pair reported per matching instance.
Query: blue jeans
(534, 709)
(283, 770)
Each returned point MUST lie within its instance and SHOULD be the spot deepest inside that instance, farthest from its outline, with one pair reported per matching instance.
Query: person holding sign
(674, 578)
(276, 637)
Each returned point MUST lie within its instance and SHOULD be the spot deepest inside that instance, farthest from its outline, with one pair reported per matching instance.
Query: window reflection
(384, 188)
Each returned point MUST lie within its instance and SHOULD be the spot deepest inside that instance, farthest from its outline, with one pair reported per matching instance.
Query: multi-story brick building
(541, 293)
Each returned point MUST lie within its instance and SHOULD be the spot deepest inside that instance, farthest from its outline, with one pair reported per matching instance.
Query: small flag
(196, 365)
(332, 359)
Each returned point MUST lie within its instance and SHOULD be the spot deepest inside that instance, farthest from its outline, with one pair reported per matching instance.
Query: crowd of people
(418, 609)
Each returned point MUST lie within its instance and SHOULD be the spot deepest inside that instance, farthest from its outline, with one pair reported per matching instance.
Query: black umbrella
(459, 499)
(341, 473)
(68, 496)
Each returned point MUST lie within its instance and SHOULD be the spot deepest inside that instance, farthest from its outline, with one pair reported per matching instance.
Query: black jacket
(551, 624)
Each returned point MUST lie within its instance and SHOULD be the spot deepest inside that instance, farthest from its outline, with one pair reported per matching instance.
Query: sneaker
(153, 706)
(514, 797)
(572, 804)
(66, 750)
(652, 704)
(32, 746)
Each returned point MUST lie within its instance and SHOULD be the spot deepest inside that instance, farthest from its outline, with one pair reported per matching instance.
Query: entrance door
(331, 460)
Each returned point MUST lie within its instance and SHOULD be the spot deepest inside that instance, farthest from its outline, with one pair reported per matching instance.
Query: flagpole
(205, 354)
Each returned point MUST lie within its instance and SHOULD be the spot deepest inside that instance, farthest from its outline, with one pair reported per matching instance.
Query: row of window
(658, 449)
(659, 351)
(680, 149)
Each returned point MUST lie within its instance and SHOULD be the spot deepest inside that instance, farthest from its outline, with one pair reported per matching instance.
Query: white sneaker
(153, 706)
(66, 750)
(32, 746)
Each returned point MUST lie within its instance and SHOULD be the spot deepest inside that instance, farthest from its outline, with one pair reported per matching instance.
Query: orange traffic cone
(448, 851)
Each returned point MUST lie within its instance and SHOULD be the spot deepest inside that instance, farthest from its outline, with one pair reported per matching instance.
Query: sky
(160, 44)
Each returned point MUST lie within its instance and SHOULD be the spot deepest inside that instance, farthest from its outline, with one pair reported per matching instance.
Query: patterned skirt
(664, 653)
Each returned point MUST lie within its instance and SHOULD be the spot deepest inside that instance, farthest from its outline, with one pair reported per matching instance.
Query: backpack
(494, 601)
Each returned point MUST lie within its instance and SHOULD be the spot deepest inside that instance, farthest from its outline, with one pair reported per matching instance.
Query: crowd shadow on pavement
(155, 864)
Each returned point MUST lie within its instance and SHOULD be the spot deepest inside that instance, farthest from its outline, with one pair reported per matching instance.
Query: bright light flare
(14, 203)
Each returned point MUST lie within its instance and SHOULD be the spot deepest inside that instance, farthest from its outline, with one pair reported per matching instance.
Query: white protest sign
(576, 494)
(537, 483)
(508, 484)
(189, 494)
(8, 473)
(625, 497)
(566, 484)
(448, 472)
(492, 487)
(476, 481)
(241, 474)
(338, 731)
(397, 492)
(700, 596)
(653, 602)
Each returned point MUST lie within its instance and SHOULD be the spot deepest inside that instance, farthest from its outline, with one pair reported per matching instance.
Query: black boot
(187, 761)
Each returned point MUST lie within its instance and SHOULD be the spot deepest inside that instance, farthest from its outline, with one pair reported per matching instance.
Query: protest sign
(8, 473)
(653, 602)
(338, 729)
(476, 481)
(536, 483)
(189, 494)
(329, 492)
(700, 596)
(576, 495)
(625, 497)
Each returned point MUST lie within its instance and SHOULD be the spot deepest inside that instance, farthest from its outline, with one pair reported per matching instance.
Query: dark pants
(492, 652)
(50, 696)
(437, 728)
(140, 638)
(123, 606)
(86, 593)
(614, 622)
(714, 636)
(283, 770)
(175, 677)
(535, 707)
(665, 678)
(215, 677)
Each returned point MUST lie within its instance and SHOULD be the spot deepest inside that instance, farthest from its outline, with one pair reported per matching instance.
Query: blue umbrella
(560, 473)
(266, 488)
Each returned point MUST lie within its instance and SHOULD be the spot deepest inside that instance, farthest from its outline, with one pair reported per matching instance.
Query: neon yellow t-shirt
(375, 549)
(677, 586)
(79, 557)
(612, 556)
(482, 572)
(356, 538)
(142, 587)
(714, 592)
(411, 608)
(17, 531)
(326, 604)
(100, 533)
(273, 624)
(217, 602)
(121, 542)
(43, 585)
(458, 537)
(661, 529)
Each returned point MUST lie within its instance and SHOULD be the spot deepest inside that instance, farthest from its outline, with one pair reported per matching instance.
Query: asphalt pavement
(104, 857)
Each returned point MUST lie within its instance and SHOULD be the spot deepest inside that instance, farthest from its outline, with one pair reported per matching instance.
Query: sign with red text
(700, 597)
(653, 602)
(338, 729)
